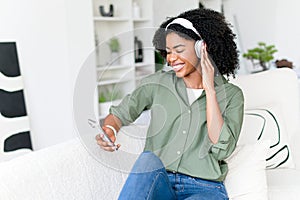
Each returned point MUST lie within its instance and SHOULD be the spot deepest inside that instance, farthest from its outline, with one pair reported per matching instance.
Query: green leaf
(261, 44)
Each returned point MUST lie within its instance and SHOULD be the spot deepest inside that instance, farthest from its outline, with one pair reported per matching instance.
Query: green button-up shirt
(177, 132)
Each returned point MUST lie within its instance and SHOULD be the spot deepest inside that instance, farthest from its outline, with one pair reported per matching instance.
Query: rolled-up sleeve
(233, 119)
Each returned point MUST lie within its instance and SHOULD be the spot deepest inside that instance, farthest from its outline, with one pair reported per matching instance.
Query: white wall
(53, 40)
(287, 31)
(170, 8)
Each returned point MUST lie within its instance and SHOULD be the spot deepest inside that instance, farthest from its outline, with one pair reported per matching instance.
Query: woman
(196, 115)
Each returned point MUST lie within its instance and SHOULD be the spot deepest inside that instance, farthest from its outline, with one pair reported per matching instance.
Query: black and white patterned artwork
(14, 122)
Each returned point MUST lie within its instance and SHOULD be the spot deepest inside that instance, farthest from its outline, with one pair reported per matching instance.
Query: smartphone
(94, 124)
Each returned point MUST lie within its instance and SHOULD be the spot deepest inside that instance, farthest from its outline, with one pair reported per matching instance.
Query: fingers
(207, 69)
(107, 146)
(205, 57)
(203, 51)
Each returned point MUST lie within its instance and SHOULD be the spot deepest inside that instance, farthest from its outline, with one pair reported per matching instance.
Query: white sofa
(279, 88)
(80, 170)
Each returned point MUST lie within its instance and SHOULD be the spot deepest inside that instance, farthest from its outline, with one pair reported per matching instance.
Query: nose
(171, 57)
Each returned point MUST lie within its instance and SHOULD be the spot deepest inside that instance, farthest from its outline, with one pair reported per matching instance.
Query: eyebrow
(176, 46)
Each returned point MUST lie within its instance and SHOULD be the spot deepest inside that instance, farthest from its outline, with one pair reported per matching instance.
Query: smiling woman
(182, 57)
(203, 112)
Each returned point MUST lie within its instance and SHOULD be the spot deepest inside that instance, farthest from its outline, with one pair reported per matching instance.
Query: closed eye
(178, 48)
(177, 51)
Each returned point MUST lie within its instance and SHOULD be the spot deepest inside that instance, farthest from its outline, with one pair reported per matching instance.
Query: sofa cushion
(246, 178)
(266, 123)
(284, 183)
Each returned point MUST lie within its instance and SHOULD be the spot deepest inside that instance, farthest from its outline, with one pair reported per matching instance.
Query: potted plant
(114, 46)
(263, 53)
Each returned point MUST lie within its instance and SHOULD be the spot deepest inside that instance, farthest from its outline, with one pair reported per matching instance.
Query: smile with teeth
(178, 67)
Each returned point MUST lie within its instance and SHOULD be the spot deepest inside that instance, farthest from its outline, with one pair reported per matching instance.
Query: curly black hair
(214, 30)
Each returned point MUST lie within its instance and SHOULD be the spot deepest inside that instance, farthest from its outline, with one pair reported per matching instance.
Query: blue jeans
(150, 180)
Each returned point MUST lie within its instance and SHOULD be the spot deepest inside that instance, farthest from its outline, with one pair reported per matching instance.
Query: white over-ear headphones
(189, 25)
(198, 46)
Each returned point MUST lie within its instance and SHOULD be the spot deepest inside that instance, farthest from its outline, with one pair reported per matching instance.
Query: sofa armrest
(64, 171)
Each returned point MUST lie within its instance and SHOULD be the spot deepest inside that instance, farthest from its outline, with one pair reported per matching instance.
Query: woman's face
(181, 55)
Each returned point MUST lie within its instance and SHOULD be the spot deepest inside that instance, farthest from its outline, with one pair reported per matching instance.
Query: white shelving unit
(120, 77)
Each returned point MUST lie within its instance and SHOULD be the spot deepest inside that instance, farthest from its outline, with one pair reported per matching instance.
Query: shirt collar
(181, 87)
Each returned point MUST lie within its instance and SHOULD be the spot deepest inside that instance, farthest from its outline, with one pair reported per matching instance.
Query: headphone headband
(185, 23)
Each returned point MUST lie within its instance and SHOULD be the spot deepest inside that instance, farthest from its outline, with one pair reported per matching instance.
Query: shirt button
(184, 132)
(189, 111)
(178, 152)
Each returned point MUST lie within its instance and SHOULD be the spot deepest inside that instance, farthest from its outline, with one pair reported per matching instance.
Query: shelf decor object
(136, 11)
(110, 13)
(114, 46)
(138, 50)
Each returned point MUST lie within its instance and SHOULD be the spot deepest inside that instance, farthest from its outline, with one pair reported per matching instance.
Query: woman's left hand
(208, 70)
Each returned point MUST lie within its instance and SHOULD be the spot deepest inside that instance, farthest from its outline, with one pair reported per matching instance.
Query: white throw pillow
(246, 178)
(266, 123)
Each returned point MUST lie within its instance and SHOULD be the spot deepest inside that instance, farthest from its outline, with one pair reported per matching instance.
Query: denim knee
(147, 162)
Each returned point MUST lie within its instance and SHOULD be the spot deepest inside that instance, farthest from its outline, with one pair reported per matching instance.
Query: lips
(178, 67)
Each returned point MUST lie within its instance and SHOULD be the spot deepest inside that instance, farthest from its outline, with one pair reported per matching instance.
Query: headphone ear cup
(198, 45)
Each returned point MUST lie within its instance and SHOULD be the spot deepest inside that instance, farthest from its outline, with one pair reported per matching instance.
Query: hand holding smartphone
(105, 137)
